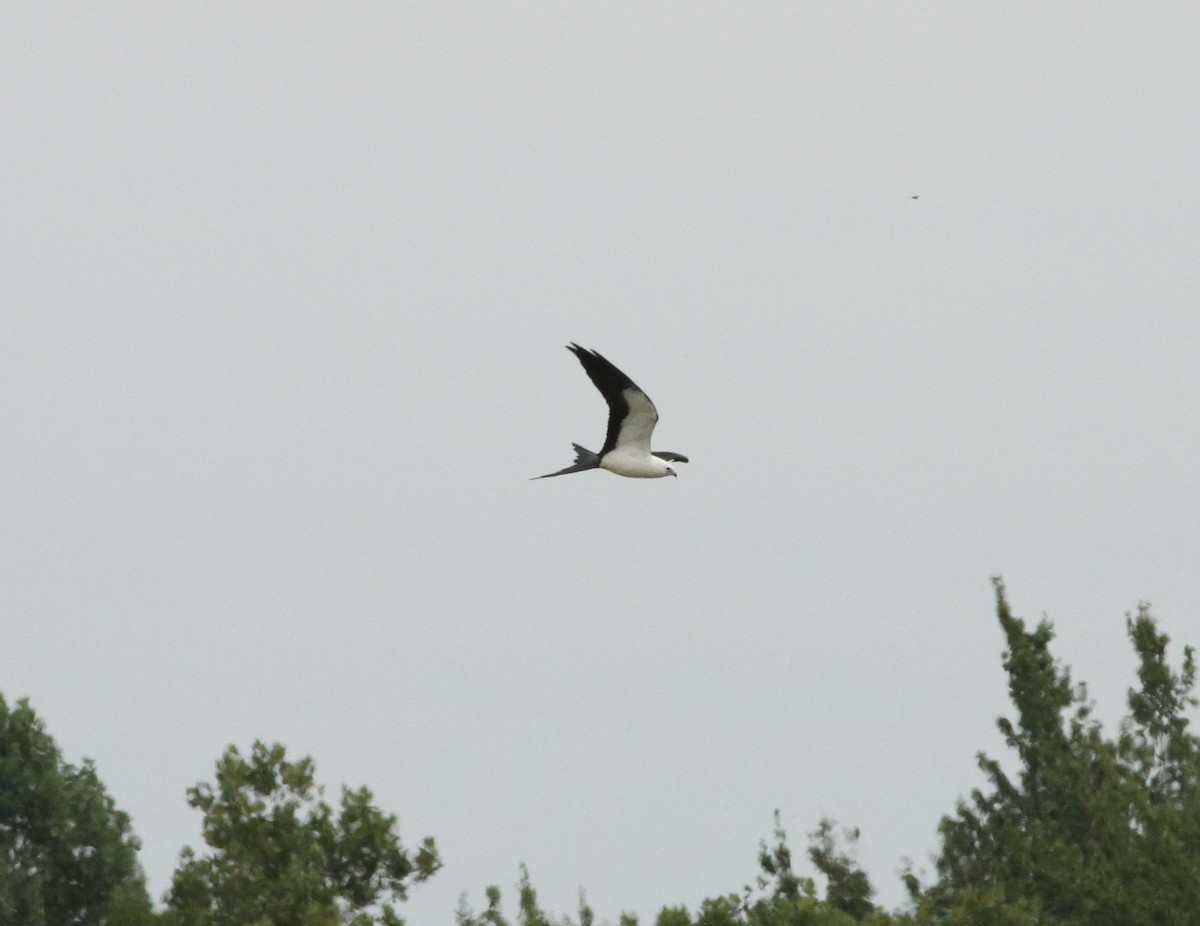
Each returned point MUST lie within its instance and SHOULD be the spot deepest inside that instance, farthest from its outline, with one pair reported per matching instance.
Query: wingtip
(580, 351)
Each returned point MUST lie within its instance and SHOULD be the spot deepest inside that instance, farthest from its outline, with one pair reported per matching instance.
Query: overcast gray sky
(285, 290)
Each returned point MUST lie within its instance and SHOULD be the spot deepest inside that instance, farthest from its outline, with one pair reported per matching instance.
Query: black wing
(631, 414)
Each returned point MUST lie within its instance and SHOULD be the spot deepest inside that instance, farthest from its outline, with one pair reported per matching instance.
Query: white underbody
(636, 463)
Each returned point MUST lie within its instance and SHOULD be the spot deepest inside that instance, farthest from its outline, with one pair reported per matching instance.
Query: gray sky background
(285, 290)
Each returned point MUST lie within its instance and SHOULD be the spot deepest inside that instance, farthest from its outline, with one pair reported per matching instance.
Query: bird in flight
(631, 420)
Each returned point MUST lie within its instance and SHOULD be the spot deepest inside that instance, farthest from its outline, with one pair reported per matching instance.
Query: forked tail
(584, 459)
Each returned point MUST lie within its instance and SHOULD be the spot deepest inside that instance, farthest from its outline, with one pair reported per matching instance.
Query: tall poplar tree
(1089, 829)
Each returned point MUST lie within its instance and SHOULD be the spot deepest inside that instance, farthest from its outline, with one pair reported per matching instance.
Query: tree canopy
(279, 854)
(67, 854)
(1089, 830)
(1076, 828)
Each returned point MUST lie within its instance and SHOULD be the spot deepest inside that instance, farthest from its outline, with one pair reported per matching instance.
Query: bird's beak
(675, 474)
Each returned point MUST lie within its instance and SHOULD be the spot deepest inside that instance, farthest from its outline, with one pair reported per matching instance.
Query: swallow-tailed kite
(631, 420)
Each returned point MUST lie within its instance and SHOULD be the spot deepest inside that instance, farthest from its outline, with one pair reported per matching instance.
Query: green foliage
(776, 864)
(786, 899)
(1156, 741)
(67, 855)
(281, 855)
(528, 911)
(1090, 830)
(849, 889)
(780, 897)
(1081, 830)
(1078, 829)
(673, 916)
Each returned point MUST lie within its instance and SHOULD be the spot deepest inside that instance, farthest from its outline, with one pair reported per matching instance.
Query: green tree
(1080, 830)
(778, 898)
(529, 912)
(281, 856)
(1165, 760)
(786, 899)
(848, 887)
(1156, 742)
(1089, 830)
(67, 854)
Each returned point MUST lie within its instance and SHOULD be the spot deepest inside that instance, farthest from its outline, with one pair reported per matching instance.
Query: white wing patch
(638, 424)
